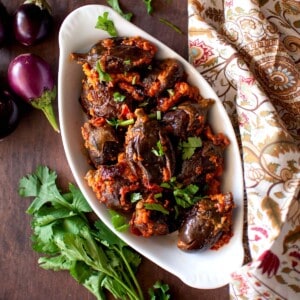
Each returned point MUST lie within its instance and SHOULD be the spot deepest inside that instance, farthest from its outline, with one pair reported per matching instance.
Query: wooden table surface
(34, 142)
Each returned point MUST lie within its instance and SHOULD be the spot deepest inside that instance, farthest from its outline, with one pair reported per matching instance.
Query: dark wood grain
(34, 143)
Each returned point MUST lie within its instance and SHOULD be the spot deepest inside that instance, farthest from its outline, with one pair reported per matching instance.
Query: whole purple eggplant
(32, 21)
(9, 113)
(30, 77)
(4, 24)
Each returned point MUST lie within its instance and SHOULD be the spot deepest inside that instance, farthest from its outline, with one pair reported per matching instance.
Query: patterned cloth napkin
(249, 51)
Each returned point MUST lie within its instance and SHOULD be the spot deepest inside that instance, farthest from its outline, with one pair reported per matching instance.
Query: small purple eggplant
(9, 113)
(4, 25)
(30, 77)
(32, 21)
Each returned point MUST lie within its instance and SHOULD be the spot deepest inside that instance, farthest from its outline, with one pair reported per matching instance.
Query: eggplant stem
(49, 113)
(44, 103)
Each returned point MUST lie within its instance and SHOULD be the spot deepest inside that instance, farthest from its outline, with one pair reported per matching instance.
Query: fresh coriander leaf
(104, 23)
(171, 25)
(134, 197)
(41, 185)
(103, 76)
(119, 222)
(158, 195)
(103, 233)
(118, 97)
(94, 285)
(148, 4)
(79, 202)
(157, 207)
(55, 263)
(159, 291)
(47, 215)
(158, 151)
(116, 6)
(185, 197)
(188, 148)
(98, 259)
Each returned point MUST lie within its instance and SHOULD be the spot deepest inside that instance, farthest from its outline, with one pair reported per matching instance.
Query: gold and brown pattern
(256, 74)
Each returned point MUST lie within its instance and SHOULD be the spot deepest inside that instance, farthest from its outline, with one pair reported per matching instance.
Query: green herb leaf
(135, 197)
(104, 23)
(157, 207)
(185, 196)
(119, 222)
(118, 97)
(158, 151)
(116, 6)
(159, 291)
(148, 4)
(103, 76)
(188, 148)
(96, 258)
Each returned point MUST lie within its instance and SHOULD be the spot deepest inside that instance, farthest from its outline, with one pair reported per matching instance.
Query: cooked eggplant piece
(163, 75)
(181, 92)
(206, 222)
(149, 151)
(101, 142)
(188, 119)
(113, 184)
(151, 220)
(118, 55)
(205, 167)
(100, 102)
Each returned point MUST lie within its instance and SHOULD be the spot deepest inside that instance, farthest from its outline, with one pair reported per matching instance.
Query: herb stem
(129, 269)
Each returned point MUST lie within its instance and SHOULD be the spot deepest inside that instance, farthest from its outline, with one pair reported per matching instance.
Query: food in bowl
(153, 154)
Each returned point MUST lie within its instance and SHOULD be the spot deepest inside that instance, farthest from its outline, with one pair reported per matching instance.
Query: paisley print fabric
(249, 51)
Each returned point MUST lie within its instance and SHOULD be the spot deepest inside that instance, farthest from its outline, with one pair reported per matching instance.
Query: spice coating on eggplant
(206, 222)
(154, 154)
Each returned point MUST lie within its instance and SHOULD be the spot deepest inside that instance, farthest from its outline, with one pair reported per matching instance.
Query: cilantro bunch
(93, 255)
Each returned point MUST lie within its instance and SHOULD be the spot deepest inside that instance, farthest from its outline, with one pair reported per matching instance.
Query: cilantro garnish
(134, 197)
(103, 76)
(116, 6)
(159, 291)
(118, 97)
(148, 4)
(158, 151)
(157, 207)
(104, 23)
(119, 222)
(94, 256)
(188, 148)
(185, 196)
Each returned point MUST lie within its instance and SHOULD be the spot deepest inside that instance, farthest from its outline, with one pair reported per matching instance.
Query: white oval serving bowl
(199, 269)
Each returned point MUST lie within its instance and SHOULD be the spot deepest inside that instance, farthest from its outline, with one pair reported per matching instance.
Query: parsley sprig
(93, 255)
(189, 147)
(106, 24)
(116, 6)
(185, 196)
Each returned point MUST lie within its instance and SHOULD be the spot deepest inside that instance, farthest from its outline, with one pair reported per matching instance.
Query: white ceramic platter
(208, 269)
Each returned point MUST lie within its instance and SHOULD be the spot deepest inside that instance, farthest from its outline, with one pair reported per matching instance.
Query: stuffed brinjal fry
(101, 142)
(149, 151)
(118, 55)
(153, 154)
(206, 222)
